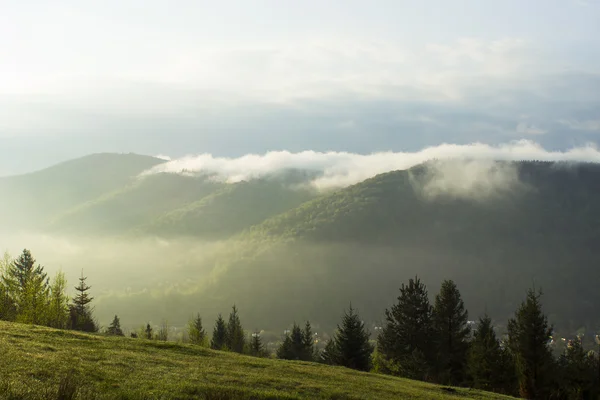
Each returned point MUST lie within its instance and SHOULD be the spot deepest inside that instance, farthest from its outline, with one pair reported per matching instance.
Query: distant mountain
(32, 200)
(284, 251)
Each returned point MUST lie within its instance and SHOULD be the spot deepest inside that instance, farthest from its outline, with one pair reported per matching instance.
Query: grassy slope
(33, 360)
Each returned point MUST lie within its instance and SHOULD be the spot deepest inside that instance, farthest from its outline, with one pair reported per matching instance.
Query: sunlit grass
(42, 363)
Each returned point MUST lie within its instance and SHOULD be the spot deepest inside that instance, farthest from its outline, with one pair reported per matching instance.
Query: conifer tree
(28, 287)
(295, 345)
(8, 307)
(406, 337)
(528, 340)
(451, 334)
(219, 337)
(81, 313)
(148, 332)
(115, 327)
(285, 350)
(58, 310)
(352, 347)
(257, 348)
(236, 340)
(196, 331)
(329, 353)
(488, 365)
(578, 372)
(308, 342)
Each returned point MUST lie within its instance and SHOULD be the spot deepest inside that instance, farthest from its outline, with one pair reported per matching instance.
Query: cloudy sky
(232, 77)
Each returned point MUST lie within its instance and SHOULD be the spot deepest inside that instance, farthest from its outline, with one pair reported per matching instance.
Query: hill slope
(31, 200)
(34, 359)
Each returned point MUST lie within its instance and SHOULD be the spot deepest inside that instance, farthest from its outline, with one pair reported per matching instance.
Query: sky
(235, 77)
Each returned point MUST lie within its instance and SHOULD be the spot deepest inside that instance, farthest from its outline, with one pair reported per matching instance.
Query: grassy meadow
(44, 363)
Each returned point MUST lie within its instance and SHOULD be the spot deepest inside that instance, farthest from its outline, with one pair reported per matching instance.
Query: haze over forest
(293, 159)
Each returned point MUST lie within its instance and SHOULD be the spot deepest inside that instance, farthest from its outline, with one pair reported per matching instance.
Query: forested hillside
(277, 245)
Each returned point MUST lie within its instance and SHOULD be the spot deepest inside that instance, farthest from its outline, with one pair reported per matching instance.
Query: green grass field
(43, 363)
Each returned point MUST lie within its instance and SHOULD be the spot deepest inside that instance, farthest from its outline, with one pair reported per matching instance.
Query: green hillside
(142, 200)
(32, 200)
(36, 360)
(230, 210)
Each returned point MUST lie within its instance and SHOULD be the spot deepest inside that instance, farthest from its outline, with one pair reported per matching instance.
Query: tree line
(419, 340)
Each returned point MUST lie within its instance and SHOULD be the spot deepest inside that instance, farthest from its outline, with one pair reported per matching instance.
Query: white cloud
(163, 157)
(340, 169)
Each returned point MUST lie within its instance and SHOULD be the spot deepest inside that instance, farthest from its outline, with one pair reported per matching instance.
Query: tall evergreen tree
(578, 372)
(329, 353)
(196, 331)
(115, 327)
(489, 366)
(219, 337)
(528, 340)
(451, 334)
(28, 287)
(406, 338)
(352, 347)
(295, 345)
(257, 349)
(236, 340)
(8, 306)
(80, 310)
(308, 342)
(58, 310)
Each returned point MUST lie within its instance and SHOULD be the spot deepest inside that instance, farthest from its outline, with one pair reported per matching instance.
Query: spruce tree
(219, 337)
(196, 331)
(148, 332)
(488, 365)
(236, 340)
(406, 338)
(329, 353)
(578, 372)
(115, 327)
(285, 350)
(352, 347)
(81, 313)
(295, 345)
(257, 348)
(528, 340)
(308, 343)
(8, 306)
(58, 310)
(451, 334)
(28, 286)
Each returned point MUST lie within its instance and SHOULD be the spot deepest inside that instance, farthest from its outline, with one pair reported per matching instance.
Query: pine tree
(308, 343)
(58, 311)
(219, 337)
(28, 287)
(578, 372)
(115, 327)
(285, 350)
(488, 365)
(257, 348)
(236, 340)
(295, 345)
(406, 337)
(81, 313)
(196, 331)
(329, 353)
(451, 334)
(148, 332)
(352, 347)
(8, 306)
(528, 339)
